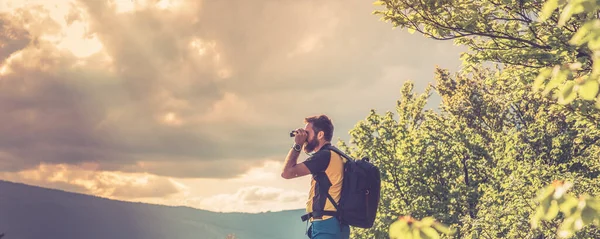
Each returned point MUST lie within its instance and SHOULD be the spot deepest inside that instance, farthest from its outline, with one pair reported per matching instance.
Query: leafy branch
(570, 80)
(578, 212)
(407, 227)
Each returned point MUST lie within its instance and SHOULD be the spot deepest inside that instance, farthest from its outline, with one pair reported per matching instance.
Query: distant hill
(31, 212)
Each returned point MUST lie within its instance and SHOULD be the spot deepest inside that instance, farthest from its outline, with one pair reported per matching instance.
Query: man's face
(312, 141)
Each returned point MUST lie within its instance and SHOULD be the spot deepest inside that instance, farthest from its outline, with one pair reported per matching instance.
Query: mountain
(28, 212)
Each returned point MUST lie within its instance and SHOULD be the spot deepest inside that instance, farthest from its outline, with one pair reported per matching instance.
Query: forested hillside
(514, 149)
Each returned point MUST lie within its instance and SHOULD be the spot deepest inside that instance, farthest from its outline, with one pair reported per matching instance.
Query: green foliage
(476, 164)
(500, 135)
(409, 228)
(571, 79)
(578, 212)
(531, 34)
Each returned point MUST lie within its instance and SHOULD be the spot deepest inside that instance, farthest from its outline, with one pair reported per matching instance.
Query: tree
(571, 78)
(539, 45)
(522, 33)
(477, 164)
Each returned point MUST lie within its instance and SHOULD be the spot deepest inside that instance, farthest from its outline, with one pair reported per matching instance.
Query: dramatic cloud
(86, 179)
(258, 190)
(192, 89)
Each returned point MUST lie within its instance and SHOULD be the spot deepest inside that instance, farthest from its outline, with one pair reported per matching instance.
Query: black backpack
(360, 192)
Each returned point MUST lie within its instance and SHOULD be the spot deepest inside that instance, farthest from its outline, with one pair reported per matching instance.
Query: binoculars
(293, 133)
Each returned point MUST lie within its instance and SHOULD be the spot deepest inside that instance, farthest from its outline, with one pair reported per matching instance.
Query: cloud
(188, 168)
(256, 199)
(251, 192)
(191, 89)
(13, 37)
(160, 187)
(87, 179)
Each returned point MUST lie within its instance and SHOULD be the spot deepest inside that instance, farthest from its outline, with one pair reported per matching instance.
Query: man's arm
(291, 168)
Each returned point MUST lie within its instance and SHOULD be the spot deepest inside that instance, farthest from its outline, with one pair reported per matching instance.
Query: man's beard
(311, 145)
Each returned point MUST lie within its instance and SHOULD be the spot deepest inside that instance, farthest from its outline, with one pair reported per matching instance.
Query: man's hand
(301, 136)
(291, 169)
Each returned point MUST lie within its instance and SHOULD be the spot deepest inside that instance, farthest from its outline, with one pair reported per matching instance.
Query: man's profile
(327, 170)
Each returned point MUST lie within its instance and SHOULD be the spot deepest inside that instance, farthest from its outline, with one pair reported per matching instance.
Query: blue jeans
(328, 229)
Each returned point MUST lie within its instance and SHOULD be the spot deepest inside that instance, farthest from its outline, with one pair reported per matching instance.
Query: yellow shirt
(327, 168)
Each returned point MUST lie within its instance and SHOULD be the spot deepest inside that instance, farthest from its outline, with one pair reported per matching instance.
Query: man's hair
(321, 123)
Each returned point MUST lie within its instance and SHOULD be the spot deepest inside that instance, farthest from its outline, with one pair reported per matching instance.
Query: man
(327, 170)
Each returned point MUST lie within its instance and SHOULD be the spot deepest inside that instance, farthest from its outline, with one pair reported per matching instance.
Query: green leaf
(588, 215)
(569, 206)
(594, 42)
(443, 229)
(558, 77)
(567, 95)
(566, 229)
(398, 229)
(589, 5)
(594, 203)
(595, 67)
(411, 30)
(430, 232)
(574, 7)
(582, 35)
(589, 89)
(416, 233)
(428, 221)
(545, 193)
(539, 214)
(565, 15)
(541, 78)
(379, 3)
(548, 9)
(552, 211)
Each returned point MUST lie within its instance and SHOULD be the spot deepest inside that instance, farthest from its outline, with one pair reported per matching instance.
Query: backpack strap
(338, 151)
(321, 213)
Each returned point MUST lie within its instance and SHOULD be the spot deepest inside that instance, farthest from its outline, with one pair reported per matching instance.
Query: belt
(318, 215)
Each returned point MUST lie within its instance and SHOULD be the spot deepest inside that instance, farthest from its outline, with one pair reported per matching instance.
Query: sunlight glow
(58, 176)
(268, 171)
(209, 50)
(172, 119)
(249, 193)
(100, 183)
(164, 4)
(11, 5)
(201, 46)
(76, 41)
(126, 6)
(74, 35)
(5, 68)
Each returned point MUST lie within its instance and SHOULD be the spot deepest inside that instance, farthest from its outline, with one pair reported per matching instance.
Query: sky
(190, 102)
